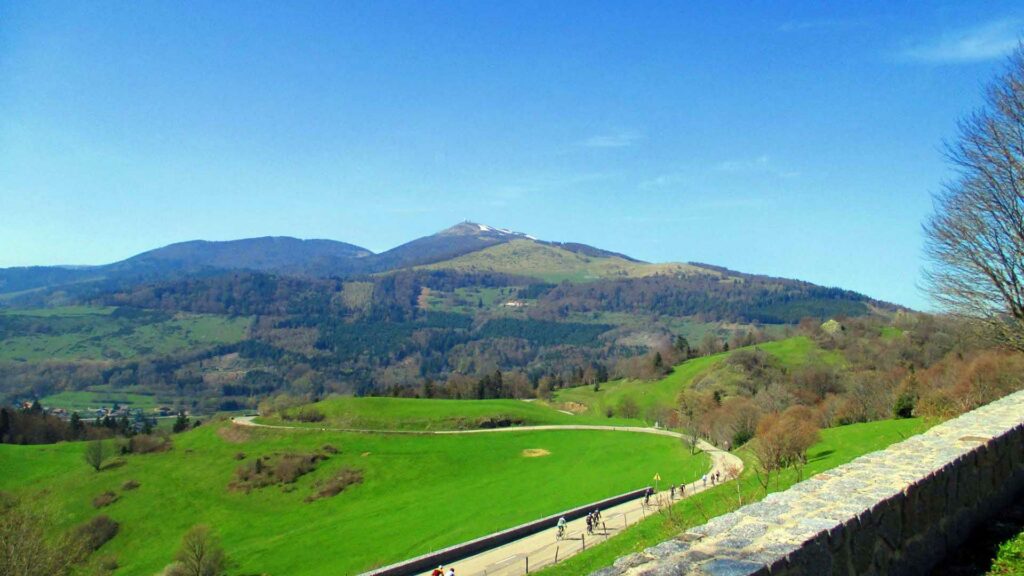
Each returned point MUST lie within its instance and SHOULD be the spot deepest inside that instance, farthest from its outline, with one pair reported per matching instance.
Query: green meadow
(82, 400)
(661, 394)
(375, 413)
(420, 493)
(104, 333)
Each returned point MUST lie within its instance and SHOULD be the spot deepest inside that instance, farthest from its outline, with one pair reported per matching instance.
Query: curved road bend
(542, 547)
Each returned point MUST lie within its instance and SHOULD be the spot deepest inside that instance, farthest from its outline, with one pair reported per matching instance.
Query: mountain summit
(468, 228)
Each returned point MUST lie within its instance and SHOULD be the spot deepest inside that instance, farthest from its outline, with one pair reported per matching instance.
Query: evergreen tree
(5, 423)
(77, 427)
(181, 424)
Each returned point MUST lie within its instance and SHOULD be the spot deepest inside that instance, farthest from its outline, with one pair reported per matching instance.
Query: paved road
(543, 548)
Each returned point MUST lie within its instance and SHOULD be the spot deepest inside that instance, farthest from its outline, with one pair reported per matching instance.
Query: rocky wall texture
(896, 511)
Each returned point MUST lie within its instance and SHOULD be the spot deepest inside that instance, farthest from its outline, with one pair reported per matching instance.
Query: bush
(96, 532)
(292, 466)
(109, 563)
(904, 406)
(239, 455)
(149, 443)
(309, 415)
(337, 483)
(1010, 559)
(105, 499)
(330, 449)
(130, 485)
(279, 469)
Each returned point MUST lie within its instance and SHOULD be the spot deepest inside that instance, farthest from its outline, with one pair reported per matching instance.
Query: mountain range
(465, 246)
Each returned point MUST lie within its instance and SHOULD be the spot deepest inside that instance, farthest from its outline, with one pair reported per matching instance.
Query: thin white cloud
(988, 41)
(620, 140)
(762, 163)
(663, 181)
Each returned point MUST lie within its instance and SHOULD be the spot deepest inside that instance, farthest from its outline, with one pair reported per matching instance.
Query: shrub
(130, 485)
(337, 483)
(105, 499)
(279, 469)
(109, 563)
(330, 449)
(292, 466)
(904, 406)
(309, 415)
(239, 455)
(96, 532)
(149, 443)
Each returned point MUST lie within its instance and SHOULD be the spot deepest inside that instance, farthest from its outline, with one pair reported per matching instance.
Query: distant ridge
(467, 247)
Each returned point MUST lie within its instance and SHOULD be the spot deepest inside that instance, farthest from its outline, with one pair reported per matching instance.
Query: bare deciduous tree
(25, 549)
(95, 453)
(200, 554)
(975, 239)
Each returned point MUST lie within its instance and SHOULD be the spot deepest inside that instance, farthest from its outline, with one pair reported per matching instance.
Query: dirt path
(543, 548)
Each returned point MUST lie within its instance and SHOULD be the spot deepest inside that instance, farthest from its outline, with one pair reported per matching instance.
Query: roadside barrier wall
(452, 554)
(897, 511)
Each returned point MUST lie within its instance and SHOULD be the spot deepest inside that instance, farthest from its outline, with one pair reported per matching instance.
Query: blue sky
(792, 139)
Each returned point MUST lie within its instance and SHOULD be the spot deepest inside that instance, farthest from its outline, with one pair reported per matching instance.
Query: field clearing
(554, 264)
(82, 400)
(420, 493)
(652, 396)
(95, 333)
(373, 413)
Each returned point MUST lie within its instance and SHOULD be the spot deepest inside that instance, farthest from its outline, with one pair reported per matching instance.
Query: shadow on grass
(821, 455)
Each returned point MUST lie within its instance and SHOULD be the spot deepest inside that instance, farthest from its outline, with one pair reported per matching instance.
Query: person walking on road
(439, 571)
(672, 491)
(451, 572)
(704, 479)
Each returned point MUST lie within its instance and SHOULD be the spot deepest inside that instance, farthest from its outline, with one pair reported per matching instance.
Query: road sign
(657, 477)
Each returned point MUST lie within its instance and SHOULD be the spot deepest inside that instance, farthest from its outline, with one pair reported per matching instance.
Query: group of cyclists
(593, 520)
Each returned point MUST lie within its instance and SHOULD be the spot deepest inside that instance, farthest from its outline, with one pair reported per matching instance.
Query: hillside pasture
(555, 264)
(374, 413)
(419, 493)
(106, 333)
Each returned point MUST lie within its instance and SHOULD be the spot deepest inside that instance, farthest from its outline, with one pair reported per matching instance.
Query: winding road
(542, 549)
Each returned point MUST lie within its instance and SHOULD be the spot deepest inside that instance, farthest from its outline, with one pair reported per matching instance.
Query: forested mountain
(218, 325)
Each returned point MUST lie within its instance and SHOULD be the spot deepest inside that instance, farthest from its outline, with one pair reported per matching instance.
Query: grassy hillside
(837, 446)
(649, 396)
(420, 493)
(103, 333)
(422, 414)
(554, 264)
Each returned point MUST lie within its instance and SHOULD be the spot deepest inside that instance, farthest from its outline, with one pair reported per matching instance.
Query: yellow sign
(657, 477)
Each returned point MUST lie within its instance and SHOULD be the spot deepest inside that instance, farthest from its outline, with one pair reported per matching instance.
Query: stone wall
(896, 511)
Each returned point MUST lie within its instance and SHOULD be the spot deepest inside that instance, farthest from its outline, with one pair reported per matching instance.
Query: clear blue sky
(799, 140)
